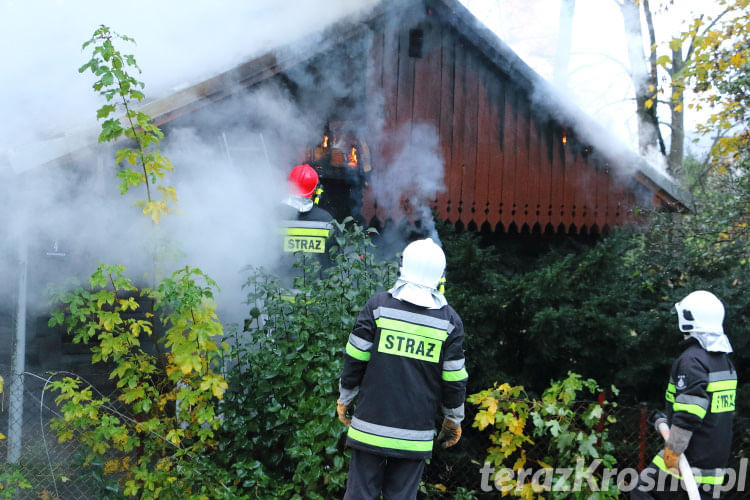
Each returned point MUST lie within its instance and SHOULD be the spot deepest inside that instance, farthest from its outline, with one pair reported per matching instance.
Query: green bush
(572, 427)
(604, 311)
(280, 429)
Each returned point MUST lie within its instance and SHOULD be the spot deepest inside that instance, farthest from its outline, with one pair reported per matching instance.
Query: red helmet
(303, 179)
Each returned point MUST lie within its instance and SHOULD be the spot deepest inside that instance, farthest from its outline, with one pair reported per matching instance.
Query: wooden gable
(508, 163)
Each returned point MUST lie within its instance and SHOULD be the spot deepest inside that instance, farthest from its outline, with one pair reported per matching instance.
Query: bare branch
(651, 37)
(705, 30)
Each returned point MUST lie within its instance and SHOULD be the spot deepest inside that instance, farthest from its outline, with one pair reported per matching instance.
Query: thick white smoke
(70, 215)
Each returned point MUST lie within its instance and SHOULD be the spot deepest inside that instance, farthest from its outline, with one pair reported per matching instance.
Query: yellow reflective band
(393, 443)
(723, 401)
(709, 479)
(671, 387)
(409, 346)
(659, 462)
(356, 353)
(669, 396)
(306, 231)
(455, 375)
(721, 385)
(403, 326)
(689, 408)
(310, 244)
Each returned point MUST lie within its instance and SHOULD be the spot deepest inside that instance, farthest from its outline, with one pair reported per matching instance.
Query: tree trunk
(644, 81)
(677, 142)
(564, 40)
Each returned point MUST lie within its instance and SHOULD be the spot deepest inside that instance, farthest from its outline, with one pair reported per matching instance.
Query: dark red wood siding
(505, 165)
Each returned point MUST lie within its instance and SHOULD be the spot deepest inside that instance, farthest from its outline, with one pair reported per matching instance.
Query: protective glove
(676, 444)
(655, 418)
(671, 460)
(341, 412)
(449, 434)
(658, 422)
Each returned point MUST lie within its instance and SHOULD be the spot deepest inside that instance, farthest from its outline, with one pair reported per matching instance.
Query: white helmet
(423, 263)
(700, 311)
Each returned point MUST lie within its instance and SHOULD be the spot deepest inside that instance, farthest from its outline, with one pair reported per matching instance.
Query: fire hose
(685, 471)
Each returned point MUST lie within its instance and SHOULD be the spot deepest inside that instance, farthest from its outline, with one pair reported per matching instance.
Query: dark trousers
(370, 475)
(661, 488)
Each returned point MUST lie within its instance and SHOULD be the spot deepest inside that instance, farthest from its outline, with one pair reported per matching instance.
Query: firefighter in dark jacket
(306, 225)
(404, 359)
(306, 228)
(700, 404)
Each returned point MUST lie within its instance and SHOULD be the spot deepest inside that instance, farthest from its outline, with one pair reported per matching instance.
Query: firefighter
(306, 225)
(700, 404)
(404, 359)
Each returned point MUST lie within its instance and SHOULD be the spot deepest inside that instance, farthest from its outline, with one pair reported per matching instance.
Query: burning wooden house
(514, 156)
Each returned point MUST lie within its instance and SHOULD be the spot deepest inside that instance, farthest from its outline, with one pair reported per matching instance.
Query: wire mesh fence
(51, 469)
(56, 470)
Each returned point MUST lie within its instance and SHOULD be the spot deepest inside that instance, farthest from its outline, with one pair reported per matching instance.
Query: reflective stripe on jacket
(700, 397)
(307, 236)
(407, 362)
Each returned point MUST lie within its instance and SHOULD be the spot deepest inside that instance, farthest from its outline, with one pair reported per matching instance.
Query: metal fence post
(15, 412)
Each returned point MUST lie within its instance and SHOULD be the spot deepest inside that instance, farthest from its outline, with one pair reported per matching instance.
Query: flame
(353, 160)
(325, 141)
(565, 139)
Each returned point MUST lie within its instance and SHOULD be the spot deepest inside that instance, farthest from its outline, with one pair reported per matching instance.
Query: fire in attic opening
(344, 164)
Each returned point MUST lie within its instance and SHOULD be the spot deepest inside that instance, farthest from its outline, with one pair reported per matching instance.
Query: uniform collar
(417, 294)
(712, 342)
(299, 203)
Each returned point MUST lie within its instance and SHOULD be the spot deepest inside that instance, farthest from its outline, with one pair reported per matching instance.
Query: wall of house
(505, 161)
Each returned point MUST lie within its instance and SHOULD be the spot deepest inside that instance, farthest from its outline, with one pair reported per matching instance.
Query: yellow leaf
(168, 192)
(678, 108)
(2, 436)
(519, 463)
(482, 419)
(218, 388)
(737, 60)
(516, 427)
(440, 487)
(491, 406)
(649, 103)
(111, 466)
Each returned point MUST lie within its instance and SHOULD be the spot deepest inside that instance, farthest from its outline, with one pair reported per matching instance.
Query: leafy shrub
(152, 443)
(574, 431)
(604, 311)
(280, 429)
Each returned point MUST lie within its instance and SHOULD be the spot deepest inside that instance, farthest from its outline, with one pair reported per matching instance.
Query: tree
(718, 70)
(155, 440)
(645, 63)
(564, 40)
(643, 73)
